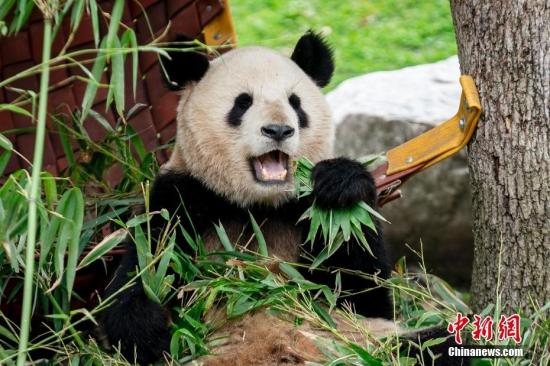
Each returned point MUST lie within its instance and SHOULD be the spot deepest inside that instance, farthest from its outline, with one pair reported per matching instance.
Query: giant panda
(242, 119)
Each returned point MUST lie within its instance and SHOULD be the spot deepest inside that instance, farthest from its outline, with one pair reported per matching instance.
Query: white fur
(218, 154)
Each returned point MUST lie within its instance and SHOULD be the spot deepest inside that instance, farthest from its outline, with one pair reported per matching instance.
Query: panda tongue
(271, 167)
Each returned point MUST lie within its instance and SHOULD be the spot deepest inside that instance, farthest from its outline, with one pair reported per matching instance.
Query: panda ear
(314, 56)
(183, 66)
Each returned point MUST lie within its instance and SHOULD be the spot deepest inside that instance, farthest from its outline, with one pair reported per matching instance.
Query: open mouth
(271, 167)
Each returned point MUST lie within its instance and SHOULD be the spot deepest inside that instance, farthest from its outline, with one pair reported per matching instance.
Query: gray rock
(378, 111)
(423, 94)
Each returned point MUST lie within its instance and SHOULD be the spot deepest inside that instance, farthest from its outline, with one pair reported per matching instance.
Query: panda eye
(240, 106)
(243, 101)
(295, 101)
(296, 104)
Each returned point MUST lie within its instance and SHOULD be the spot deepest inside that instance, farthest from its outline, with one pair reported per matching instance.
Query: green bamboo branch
(103, 304)
(34, 195)
(106, 51)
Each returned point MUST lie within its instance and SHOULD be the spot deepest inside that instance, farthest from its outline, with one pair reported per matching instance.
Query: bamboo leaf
(116, 16)
(314, 226)
(290, 271)
(150, 293)
(95, 21)
(262, 246)
(91, 88)
(337, 217)
(22, 14)
(363, 216)
(83, 68)
(165, 214)
(65, 233)
(370, 159)
(11, 252)
(62, 9)
(19, 227)
(158, 50)
(48, 237)
(141, 248)
(432, 342)
(73, 248)
(63, 134)
(327, 252)
(100, 220)
(5, 8)
(129, 40)
(86, 313)
(5, 143)
(109, 242)
(360, 236)
(50, 188)
(331, 297)
(368, 360)
(137, 143)
(222, 235)
(346, 226)
(330, 227)
(117, 77)
(323, 314)
(15, 109)
(137, 220)
(373, 212)
(162, 267)
(102, 121)
(4, 160)
(2, 212)
(76, 15)
(188, 238)
(325, 222)
(8, 334)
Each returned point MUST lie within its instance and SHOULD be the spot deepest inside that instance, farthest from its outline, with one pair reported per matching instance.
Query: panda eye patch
(242, 103)
(296, 104)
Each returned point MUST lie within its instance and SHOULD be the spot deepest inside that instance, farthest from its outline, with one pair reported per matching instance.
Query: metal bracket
(432, 146)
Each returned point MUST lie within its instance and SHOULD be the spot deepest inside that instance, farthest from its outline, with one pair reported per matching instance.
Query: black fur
(296, 104)
(183, 67)
(141, 325)
(314, 56)
(341, 182)
(151, 334)
(242, 103)
(138, 325)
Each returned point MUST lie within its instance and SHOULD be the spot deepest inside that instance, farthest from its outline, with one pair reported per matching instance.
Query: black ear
(314, 56)
(183, 66)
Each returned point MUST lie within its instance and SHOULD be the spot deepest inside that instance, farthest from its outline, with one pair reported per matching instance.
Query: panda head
(244, 117)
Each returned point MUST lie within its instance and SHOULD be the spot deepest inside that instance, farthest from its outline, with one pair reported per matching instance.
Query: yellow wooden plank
(221, 30)
(443, 140)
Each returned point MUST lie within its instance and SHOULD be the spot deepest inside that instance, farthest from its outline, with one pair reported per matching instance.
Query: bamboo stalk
(34, 195)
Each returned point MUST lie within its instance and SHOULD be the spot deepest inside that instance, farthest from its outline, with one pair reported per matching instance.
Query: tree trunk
(505, 46)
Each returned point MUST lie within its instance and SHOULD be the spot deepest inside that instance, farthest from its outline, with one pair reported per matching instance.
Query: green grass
(366, 35)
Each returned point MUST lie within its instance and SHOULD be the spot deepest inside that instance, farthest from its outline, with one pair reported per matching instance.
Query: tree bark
(505, 46)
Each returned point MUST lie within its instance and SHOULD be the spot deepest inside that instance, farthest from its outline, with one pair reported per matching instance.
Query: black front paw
(341, 182)
(140, 328)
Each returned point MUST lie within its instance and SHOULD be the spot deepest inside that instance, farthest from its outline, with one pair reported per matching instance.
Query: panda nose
(277, 132)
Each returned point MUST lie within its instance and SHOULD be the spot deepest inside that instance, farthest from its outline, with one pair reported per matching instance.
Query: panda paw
(342, 182)
(139, 330)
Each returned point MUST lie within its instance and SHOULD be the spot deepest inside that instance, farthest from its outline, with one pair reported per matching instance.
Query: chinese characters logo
(508, 327)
